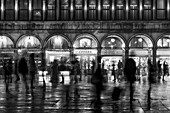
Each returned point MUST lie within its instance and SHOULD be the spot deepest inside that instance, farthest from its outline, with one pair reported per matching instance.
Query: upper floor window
(37, 9)
(79, 10)
(92, 9)
(106, 9)
(65, 10)
(138, 42)
(120, 10)
(161, 9)
(134, 9)
(147, 9)
(51, 9)
(23, 9)
(164, 42)
(9, 9)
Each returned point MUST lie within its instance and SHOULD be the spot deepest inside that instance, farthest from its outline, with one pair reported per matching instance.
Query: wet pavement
(52, 98)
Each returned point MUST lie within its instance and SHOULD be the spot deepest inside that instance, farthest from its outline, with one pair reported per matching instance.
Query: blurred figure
(23, 70)
(16, 70)
(98, 85)
(43, 66)
(113, 71)
(32, 69)
(159, 65)
(55, 72)
(10, 70)
(6, 74)
(120, 67)
(130, 71)
(165, 70)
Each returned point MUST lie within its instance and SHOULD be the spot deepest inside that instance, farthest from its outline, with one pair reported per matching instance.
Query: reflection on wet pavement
(52, 98)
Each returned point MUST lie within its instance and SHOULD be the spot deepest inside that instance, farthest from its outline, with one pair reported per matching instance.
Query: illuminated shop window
(138, 42)
(30, 42)
(120, 10)
(6, 42)
(51, 9)
(9, 9)
(164, 42)
(37, 9)
(112, 42)
(106, 9)
(147, 9)
(134, 9)
(57, 42)
(23, 9)
(161, 9)
(78, 9)
(92, 9)
(65, 10)
(85, 42)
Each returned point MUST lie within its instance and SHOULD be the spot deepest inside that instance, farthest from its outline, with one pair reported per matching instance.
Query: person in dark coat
(55, 72)
(10, 70)
(99, 85)
(6, 74)
(32, 69)
(23, 70)
(130, 71)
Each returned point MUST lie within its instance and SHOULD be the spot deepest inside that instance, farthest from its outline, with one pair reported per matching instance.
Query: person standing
(23, 70)
(6, 74)
(10, 70)
(43, 66)
(113, 72)
(159, 65)
(32, 69)
(130, 71)
(55, 72)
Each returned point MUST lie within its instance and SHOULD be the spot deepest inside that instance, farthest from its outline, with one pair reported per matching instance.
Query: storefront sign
(58, 52)
(139, 52)
(111, 52)
(85, 51)
(163, 52)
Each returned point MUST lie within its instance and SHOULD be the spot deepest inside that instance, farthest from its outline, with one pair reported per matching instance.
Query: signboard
(163, 52)
(140, 52)
(85, 51)
(59, 52)
(111, 52)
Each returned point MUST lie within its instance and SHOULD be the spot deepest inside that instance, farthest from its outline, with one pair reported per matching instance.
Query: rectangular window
(147, 10)
(161, 9)
(9, 9)
(65, 10)
(51, 9)
(23, 9)
(92, 9)
(120, 10)
(134, 10)
(106, 10)
(37, 9)
(79, 11)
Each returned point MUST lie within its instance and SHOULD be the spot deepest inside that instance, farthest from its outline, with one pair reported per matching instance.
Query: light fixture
(140, 39)
(112, 40)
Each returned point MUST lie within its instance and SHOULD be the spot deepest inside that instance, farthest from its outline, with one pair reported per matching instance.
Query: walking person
(113, 72)
(159, 65)
(23, 70)
(16, 70)
(10, 70)
(55, 72)
(165, 70)
(6, 74)
(32, 69)
(43, 67)
(130, 71)
(97, 80)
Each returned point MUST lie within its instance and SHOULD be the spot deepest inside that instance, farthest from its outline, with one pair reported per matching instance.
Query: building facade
(112, 29)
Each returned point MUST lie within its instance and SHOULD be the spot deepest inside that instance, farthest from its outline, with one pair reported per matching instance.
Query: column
(71, 10)
(140, 9)
(85, 9)
(168, 8)
(16, 9)
(127, 9)
(2, 9)
(154, 56)
(154, 10)
(126, 53)
(99, 9)
(44, 9)
(113, 10)
(57, 9)
(30, 9)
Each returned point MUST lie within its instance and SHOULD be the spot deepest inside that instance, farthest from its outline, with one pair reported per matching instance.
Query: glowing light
(168, 40)
(140, 39)
(112, 40)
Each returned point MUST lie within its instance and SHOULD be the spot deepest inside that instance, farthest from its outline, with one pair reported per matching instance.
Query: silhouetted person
(113, 71)
(55, 72)
(98, 85)
(16, 70)
(23, 70)
(159, 69)
(32, 69)
(6, 74)
(165, 70)
(10, 70)
(43, 66)
(130, 71)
